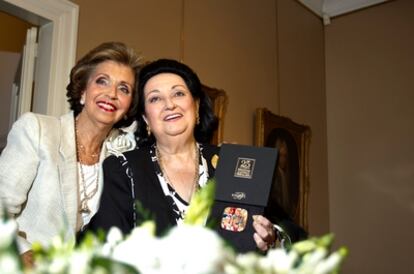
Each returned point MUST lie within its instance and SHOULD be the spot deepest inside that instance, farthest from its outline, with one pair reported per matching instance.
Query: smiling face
(108, 94)
(170, 109)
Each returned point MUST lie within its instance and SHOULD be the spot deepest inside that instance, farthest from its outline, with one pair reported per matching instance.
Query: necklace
(196, 171)
(84, 208)
(93, 155)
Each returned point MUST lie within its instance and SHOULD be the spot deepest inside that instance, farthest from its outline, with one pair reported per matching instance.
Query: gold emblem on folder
(244, 168)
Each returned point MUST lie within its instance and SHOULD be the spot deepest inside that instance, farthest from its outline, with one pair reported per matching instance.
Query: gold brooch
(214, 160)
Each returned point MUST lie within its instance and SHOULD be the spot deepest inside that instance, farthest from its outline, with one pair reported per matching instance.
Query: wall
(234, 49)
(302, 96)
(12, 40)
(369, 86)
(151, 27)
(270, 53)
(232, 45)
(9, 62)
(13, 36)
(218, 39)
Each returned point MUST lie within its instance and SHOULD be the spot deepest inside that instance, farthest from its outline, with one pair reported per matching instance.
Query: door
(21, 101)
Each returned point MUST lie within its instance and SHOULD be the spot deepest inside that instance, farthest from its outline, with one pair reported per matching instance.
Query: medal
(234, 219)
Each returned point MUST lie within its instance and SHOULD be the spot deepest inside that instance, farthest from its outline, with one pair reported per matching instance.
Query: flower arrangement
(9, 262)
(190, 248)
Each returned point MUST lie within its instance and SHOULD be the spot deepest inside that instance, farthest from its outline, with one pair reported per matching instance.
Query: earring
(148, 131)
(82, 101)
(197, 118)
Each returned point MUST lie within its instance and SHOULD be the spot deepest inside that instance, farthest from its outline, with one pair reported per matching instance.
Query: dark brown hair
(208, 121)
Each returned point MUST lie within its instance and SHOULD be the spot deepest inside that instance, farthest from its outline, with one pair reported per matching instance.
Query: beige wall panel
(12, 32)
(232, 46)
(370, 61)
(302, 96)
(151, 27)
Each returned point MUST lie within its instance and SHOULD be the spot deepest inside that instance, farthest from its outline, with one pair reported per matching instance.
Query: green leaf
(201, 204)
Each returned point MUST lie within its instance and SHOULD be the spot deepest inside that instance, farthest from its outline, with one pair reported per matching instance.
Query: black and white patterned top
(135, 191)
(178, 204)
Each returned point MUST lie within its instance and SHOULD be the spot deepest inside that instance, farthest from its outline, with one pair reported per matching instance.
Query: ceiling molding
(314, 5)
(331, 8)
(337, 7)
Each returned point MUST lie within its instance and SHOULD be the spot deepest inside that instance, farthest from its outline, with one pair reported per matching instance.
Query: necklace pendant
(85, 209)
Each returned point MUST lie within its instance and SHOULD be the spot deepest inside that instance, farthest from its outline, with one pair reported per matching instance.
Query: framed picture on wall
(290, 188)
(219, 101)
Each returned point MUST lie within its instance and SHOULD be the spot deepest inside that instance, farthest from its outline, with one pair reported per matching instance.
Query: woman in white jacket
(50, 170)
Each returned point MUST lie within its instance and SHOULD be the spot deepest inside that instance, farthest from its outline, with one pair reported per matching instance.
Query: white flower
(7, 232)
(140, 249)
(58, 264)
(201, 251)
(79, 262)
(114, 236)
(311, 259)
(247, 260)
(331, 263)
(112, 239)
(116, 144)
(9, 264)
(231, 268)
(280, 260)
(185, 249)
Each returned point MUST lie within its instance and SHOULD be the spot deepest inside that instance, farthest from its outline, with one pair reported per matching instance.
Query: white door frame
(63, 15)
(27, 73)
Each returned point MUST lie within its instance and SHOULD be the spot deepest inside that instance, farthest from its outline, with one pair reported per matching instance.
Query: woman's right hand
(27, 259)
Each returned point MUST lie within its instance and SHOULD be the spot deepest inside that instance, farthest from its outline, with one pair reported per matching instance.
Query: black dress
(133, 194)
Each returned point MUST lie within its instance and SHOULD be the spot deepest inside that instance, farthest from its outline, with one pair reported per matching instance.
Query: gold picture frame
(219, 101)
(291, 188)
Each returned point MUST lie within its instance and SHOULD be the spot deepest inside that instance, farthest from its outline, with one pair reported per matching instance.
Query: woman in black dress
(158, 180)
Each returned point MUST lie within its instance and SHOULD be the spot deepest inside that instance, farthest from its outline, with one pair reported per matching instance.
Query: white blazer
(38, 177)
